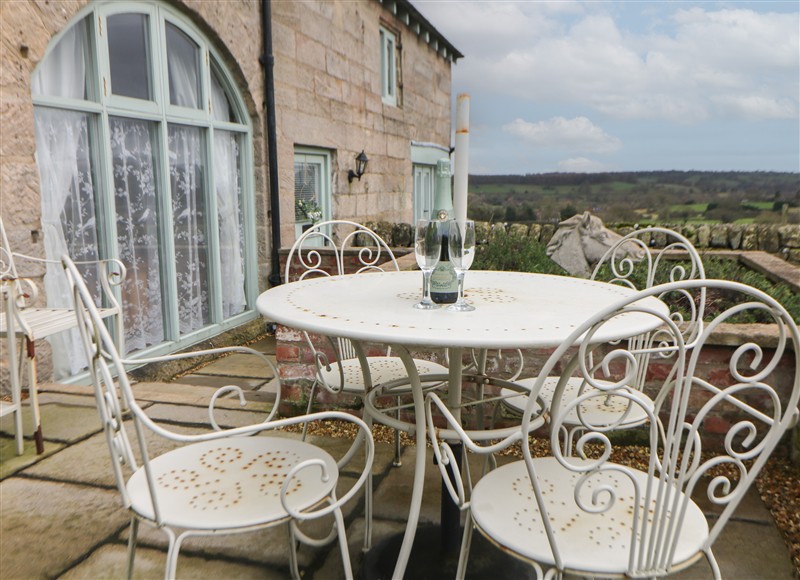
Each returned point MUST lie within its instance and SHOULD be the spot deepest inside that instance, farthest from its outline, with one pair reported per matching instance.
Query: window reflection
(182, 63)
(129, 55)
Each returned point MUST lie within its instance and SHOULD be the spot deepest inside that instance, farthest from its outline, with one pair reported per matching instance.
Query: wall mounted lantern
(361, 167)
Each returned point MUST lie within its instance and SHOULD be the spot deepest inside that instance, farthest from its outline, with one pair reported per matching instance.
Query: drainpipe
(267, 60)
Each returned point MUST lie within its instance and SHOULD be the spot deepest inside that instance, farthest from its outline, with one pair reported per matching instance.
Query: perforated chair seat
(382, 370)
(504, 509)
(232, 483)
(600, 410)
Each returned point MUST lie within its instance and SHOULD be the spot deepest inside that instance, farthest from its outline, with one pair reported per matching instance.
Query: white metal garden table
(512, 310)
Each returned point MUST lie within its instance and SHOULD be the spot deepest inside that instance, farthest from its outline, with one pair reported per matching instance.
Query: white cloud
(581, 165)
(757, 107)
(678, 66)
(578, 134)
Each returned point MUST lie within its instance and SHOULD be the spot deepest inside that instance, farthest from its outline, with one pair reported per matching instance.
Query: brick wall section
(296, 370)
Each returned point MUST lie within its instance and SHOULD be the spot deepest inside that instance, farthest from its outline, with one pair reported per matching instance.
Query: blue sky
(631, 85)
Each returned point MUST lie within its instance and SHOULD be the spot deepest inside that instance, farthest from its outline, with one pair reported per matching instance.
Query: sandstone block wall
(328, 93)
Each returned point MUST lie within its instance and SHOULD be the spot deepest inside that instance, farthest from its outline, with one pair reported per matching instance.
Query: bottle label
(444, 284)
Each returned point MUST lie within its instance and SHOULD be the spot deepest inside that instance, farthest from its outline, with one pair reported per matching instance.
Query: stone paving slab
(746, 551)
(238, 365)
(225, 416)
(111, 561)
(216, 381)
(265, 344)
(45, 526)
(11, 463)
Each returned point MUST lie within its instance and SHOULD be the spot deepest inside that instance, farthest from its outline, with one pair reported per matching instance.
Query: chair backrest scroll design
(112, 389)
(306, 250)
(757, 403)
(306, 256)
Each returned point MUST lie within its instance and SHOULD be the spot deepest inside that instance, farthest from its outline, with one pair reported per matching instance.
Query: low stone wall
(783, 240)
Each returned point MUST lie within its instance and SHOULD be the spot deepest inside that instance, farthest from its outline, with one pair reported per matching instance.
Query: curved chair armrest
(322, 363)
(444, 455)
(222, 390)
(364, 431)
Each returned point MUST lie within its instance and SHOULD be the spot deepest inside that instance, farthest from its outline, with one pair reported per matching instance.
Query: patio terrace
(61, 518)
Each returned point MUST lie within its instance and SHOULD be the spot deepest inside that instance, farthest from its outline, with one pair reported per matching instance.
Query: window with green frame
(389, 67)
(144, 151)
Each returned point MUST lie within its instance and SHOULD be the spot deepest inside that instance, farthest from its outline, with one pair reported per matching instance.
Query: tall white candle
(461, 161)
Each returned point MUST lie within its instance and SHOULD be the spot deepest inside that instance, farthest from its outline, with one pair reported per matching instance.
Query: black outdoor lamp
(361, 167)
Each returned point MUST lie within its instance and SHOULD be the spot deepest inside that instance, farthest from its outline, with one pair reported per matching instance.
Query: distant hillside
(652, 196)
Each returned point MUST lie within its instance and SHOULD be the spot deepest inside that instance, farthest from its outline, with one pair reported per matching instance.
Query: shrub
(509, 253)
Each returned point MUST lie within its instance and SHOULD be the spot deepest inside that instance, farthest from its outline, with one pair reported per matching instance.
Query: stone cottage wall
(327, 87)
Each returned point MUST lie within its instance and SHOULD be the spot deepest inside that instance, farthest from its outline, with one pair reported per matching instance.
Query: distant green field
(760, 205)
(690, 207)
(678, 196)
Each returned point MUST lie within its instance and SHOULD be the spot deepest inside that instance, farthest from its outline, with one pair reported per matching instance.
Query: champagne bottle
(444, 282)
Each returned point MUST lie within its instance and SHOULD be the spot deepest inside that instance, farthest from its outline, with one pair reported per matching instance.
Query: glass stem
(426, 285)
(460, 277)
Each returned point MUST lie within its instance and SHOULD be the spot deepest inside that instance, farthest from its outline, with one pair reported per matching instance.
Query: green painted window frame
(102, 104)
(325, 194)
(389, 76)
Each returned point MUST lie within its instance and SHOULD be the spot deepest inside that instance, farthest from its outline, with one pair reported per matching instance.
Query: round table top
(512, 309)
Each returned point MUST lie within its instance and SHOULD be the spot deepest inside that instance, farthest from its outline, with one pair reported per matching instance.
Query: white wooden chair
(354, 248)
(23, 322)
(220, 481)
(620, 266)
(585, 514)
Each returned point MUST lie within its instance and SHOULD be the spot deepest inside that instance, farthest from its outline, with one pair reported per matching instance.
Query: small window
(312, 189)
(388, 67)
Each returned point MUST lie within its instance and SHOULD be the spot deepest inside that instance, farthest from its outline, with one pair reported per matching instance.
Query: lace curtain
(188, 223)
(136, 204)
(227, 185)
(64, 161)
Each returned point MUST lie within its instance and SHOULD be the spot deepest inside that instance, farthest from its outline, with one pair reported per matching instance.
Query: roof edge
(404, 11)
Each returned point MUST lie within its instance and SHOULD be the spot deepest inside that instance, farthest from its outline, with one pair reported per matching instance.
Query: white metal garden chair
(338, 247)
(631, 263)
(586, 514)
(218, 482)
(23, 321)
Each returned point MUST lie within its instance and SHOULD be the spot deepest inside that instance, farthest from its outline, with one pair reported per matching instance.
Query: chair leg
(16, 390)
(712, 561)
(294, 570)
(368, 499)
(348, 568)
(132, 539)
(308, 408)
(172, 554)
(466, 544)
(33, 392)
(397, 460)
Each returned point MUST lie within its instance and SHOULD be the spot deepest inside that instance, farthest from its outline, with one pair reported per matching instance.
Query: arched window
(144, 152)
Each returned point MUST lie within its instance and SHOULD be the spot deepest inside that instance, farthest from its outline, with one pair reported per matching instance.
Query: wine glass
(462, 253)
(427, 248)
